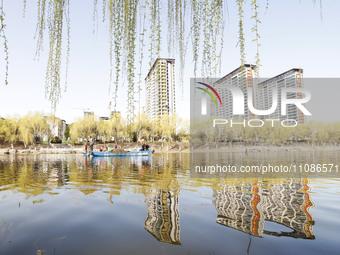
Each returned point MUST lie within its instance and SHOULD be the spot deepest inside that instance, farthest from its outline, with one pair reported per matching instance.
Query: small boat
(114, 154)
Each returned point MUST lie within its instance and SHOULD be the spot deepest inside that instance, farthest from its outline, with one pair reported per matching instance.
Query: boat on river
(115, 154)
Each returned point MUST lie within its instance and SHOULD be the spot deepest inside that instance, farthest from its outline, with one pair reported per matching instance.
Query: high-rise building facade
(289, 79)
(243, 78)
(160, 88)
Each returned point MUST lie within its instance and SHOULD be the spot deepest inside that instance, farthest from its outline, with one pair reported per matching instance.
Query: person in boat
(101, 149)
(146, 147)
(91, 143)
(86, 145)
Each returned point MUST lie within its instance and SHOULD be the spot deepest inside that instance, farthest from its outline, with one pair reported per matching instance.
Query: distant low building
(88, 114)
(57, 128)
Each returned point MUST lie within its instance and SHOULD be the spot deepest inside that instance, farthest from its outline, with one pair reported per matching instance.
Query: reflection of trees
(31, 176)
(39, 173)
(246, 207)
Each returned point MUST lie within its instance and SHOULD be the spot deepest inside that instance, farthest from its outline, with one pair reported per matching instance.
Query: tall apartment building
(243, 78)
(160, 88)
(289, 79)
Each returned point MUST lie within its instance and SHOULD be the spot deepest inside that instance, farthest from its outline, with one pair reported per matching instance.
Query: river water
(67, 204)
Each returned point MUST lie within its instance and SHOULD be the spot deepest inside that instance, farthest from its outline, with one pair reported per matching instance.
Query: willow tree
(84, 127)
(9, 130)
(4, 40)
(32, 128)
(130, 23)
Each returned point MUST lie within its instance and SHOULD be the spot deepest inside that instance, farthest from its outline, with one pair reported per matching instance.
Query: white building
(88, 114)
(57, 128)
(160, 88)
(243, 78)
(289, 79)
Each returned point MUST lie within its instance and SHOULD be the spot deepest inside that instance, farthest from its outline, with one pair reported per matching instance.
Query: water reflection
(142, 195)
(162, 219)
(246, 207)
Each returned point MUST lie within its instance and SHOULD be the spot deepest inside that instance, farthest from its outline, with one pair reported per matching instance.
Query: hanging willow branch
(130, 35)
(52, 15)
(217, 34)
(196, 17)
(180, 9)
(155, 30)
(40, 28)
(24, 9)
(206, 31)
(171, 25)
(104, 3)
(116, 38)
(95, 15)
(5, 41)
(142, 30)
(122, 19)
(255, 29)
(241, 40)
(212, 19)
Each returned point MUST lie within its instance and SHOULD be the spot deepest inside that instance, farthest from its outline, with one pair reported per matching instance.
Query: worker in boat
(91, 143)
(143, 145)
(86, 145)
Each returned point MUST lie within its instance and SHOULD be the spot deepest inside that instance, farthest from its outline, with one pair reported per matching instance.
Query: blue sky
(292, 35)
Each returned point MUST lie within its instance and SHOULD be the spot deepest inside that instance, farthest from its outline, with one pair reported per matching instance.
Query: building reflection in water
(247, 207)
(162, 219)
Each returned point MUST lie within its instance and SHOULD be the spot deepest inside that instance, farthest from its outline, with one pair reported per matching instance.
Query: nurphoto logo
(238, 99)
(231, 103)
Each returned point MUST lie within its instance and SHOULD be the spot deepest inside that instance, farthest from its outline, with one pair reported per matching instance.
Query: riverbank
(267, 148)
(159, 147)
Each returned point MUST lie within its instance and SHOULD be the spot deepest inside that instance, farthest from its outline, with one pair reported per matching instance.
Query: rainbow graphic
(209, 93)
